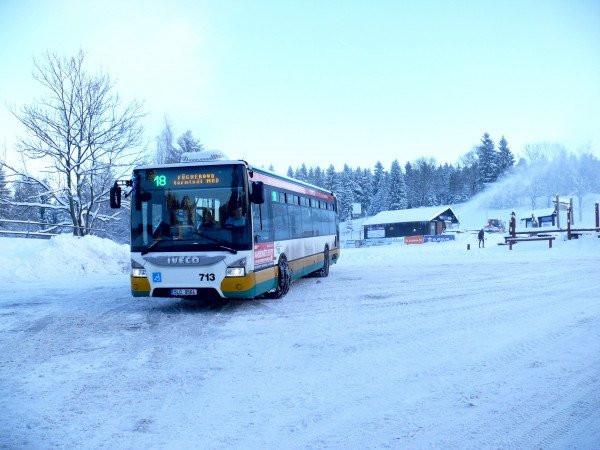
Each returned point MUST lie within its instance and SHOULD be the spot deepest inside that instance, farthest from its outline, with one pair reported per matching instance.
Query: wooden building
(410, 222)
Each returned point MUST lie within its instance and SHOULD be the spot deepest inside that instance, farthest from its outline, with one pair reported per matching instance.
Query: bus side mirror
(115, 196)
(258, 193)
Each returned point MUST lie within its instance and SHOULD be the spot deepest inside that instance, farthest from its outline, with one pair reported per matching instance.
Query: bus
(223, 229)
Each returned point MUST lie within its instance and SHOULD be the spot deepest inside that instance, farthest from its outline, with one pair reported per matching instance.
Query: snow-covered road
(424, 346)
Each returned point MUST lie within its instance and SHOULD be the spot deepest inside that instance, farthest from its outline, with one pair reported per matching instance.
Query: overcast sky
(328, 82)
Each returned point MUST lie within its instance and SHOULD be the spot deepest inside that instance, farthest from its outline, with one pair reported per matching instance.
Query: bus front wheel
(284, 279)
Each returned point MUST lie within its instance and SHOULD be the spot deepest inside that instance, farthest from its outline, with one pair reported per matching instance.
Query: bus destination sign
(194, 179)
(176, 178)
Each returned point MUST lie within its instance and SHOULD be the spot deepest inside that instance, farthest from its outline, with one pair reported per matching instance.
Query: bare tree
(84, 133)
(165, 148)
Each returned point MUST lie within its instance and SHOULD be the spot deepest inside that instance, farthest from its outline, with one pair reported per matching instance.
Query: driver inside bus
(208, 220)
(236, 218)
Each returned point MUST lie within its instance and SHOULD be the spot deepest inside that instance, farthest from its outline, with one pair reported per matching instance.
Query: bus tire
(284, 279)
(324, 271)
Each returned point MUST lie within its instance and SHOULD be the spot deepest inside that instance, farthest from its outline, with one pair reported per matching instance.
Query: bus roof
(236, 162)
(192, 164)
(293, 180)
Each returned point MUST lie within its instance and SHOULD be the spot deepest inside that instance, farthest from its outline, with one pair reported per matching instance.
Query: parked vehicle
(495, 226)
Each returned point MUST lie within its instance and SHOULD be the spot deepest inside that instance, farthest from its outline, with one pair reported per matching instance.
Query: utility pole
(557, 211)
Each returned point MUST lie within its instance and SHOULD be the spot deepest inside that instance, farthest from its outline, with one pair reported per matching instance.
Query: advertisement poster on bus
(263, 254)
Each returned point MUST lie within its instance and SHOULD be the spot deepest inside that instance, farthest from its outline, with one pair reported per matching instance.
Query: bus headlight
(235, 272)
(137, 270)
(138, 273)
(236, 269)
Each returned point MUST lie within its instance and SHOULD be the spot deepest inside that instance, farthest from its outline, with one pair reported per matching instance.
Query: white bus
(221, 229)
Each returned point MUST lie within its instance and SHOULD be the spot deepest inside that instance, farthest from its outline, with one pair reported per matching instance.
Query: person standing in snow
(481, 238)
(512, 227)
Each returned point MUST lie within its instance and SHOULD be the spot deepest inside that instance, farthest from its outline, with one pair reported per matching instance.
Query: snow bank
(61, 260)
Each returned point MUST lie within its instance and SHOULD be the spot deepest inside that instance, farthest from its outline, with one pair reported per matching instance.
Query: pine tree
(356, 176)
(366, 183)
(346, 195)
(311, 176)
(506, 159)
(378, 196)
(488, 168)
(319, 177)
(409, 180)
(442, 184)
(303, 173)
(290, 172)
(378, 173)
(331, 179)
(188, 143)
(456, 186)
(380, 201)
(397, 187)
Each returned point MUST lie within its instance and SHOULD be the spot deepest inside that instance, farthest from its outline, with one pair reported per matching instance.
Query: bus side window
(281, 225)
(331, 221)
(316, 217)
(295, 216)
(322, 222)
(307, 228)
(261, 219)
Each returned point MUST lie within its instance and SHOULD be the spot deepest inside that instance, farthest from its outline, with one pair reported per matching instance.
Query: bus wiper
(150, 247)
(220, 243)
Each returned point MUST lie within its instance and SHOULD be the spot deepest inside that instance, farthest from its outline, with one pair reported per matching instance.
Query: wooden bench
(533, 235)
(513, 240)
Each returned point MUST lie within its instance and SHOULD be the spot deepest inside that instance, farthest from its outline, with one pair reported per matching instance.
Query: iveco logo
(176, 260)
(179, 260)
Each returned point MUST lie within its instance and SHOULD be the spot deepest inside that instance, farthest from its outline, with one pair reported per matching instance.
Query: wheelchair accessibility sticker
(156, 277)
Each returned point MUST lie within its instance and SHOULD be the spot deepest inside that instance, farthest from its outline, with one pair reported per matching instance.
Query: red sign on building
(413, 239)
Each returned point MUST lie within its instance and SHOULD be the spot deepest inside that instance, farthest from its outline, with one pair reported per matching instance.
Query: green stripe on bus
(258, 289)
(140, 294)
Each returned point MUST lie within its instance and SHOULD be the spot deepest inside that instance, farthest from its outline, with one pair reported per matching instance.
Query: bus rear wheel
(324, 271)
(284, 279)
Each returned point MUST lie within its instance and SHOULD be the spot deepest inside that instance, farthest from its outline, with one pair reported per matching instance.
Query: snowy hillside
(62, 260)
(474, 214)
(402, 346)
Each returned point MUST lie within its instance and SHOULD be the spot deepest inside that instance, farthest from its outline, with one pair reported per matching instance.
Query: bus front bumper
(248, 286)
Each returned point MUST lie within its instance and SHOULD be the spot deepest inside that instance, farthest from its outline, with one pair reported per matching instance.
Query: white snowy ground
(402, 346)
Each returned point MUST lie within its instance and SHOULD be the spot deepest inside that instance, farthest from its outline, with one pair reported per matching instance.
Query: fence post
(571, 214)
(549, 243)
(597, 216)
(569, 225)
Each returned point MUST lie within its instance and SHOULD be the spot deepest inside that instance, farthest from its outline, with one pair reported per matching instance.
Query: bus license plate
(183, 292)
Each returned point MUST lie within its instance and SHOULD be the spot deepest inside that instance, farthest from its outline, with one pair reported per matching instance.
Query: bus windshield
(198, 208)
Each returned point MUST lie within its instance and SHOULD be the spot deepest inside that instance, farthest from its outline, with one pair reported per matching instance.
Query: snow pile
(61, 260)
